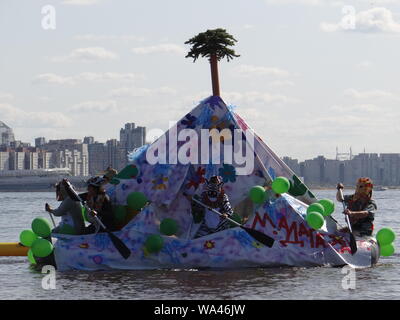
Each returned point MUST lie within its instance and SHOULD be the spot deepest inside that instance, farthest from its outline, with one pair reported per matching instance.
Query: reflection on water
(19, 282)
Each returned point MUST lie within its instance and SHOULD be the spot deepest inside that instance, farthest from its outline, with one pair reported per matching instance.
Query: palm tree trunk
(214, 74)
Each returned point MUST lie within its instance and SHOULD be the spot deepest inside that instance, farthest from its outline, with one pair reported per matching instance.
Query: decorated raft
(281, 217)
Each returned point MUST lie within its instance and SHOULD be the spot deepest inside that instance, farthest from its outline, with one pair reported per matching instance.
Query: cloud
(6, 96)
(21, 118)
(51, 78)
(332, 3)
(95, 106)
(297, 2)
(80, 2)
(140, 92)
(108, 76)
(161, 48)
(356, 108)
(281, 83)
(371, 94)
(250, 70)
(249, 98)
(89, 54)
(99, 37)
(375, 20)
(364, 64)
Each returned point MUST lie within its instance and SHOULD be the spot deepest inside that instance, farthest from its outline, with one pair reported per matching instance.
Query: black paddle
(259, 236)
(353, 243)
(117, 242)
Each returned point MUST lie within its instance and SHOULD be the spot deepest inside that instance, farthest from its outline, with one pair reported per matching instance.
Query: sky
(312, 75)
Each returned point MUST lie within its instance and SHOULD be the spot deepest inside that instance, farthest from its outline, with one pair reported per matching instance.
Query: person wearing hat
(215, 197)
(100, 204)
(69, 210)
(360, 207)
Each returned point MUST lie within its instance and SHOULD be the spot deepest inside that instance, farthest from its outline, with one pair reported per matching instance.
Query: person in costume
(215, 197)
(69, 210)
(360, 207)
(109, 174)
(100, 204)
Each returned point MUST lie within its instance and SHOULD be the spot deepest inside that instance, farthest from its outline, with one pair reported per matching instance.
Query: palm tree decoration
(213, 44)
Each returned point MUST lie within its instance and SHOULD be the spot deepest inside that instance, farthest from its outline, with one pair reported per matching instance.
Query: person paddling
(360, 207)
(215, 197)
(69, 210)
(98, 201)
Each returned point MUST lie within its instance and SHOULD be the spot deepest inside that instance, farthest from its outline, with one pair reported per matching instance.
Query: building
(4, 160)
(293, 164)
(132, 137)
(88, 140)
(66, 153)
(383, 169)
(6, 134)
(98, 158)
(117, 157)
(31, 161)
(39, 142)
(17, 160)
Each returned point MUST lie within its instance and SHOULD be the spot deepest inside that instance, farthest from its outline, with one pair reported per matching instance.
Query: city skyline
(346, 153)
(304, 82)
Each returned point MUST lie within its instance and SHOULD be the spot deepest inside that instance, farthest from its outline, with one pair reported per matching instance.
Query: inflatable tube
(13, 249)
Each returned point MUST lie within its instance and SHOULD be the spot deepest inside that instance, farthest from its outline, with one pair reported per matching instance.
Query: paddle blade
(353, 244)
(119, 245)
(260, 237)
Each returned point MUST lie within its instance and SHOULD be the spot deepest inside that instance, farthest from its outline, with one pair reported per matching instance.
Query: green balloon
(329, 206)
(280, 185)
(168, 227)
(27, 237)
(41, 226)
(315, 220)
(387, 250)
(67, 229)
(129, 172)
(235, 217)
(114, 181)
(257, 194)
(31, 258)
(120, 213)
(385, 236)
(42, 248)
(136, 200)
(154, 243)
(316, 207)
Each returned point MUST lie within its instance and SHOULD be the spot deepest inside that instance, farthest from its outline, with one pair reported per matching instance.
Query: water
(17, 281)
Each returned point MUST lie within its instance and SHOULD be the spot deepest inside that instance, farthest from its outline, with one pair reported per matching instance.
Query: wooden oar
(353, 243)
(259, 236)
(117, 242)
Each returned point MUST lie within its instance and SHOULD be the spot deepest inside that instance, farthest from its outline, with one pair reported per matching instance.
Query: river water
(18, 281)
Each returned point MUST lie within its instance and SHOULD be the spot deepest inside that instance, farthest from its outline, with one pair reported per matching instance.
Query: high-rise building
(4, 161)
(88, 140)
(39, 142)
(68, 153)
(31, 160)
(98, 158)
(17, 160)
(132, 137)
(6, 134)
